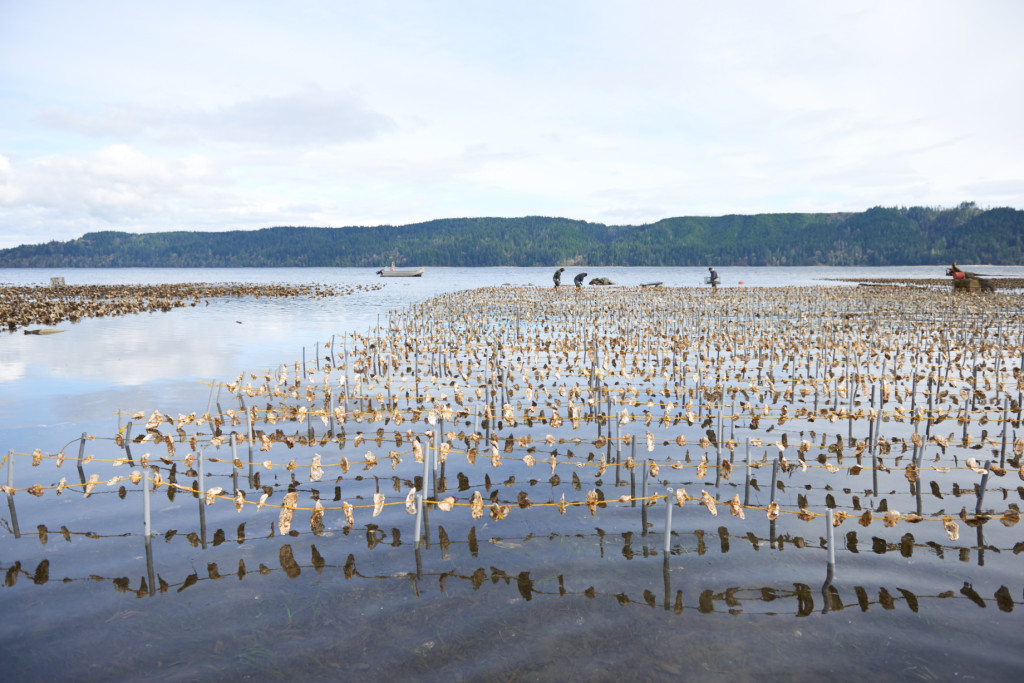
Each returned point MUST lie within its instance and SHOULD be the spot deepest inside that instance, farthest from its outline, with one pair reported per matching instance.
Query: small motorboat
(400, 272)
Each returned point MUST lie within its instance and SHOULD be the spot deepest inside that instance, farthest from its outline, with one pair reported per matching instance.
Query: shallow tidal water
(217, 594)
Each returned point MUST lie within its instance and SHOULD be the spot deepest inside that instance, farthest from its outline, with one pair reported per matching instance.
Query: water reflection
(733, 600)
(794, 600)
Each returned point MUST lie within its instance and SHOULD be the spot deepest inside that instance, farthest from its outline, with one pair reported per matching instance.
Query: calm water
(554, 597)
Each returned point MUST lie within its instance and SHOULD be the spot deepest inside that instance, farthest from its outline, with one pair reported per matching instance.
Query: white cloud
(116, 185)
(8, 193)
(11, 371)
(307, 117)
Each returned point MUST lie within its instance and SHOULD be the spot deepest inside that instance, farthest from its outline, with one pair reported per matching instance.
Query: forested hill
(876, 237)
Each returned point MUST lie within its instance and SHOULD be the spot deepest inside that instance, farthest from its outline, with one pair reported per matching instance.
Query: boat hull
(408, 272)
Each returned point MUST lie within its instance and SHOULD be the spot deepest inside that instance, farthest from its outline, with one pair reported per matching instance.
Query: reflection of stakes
(234, 458)
(831, 536)
(209, 402)
(202, 500)
(10, 494)
(150, 572)
(643, 504)
(906, 546)
(668, 520)
(826, 595)
(708, 597)
(147, 526)
(746, 487)
(668, 583)
(918, 488)
(81, 452)
(127, 441)
(419, 571)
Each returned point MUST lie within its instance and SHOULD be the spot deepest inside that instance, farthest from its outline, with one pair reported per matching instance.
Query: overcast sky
(152, 116)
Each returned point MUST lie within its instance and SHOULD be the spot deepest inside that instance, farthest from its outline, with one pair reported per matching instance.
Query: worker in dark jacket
(558, 276)
(578, 280)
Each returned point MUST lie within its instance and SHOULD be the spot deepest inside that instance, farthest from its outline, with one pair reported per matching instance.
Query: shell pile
(24, 305)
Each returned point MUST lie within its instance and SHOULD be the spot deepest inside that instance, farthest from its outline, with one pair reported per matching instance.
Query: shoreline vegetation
(876, 237)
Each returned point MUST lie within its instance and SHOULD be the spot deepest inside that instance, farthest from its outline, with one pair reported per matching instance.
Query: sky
(151, 116)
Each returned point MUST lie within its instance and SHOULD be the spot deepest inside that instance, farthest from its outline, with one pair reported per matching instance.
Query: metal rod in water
(871, 423)
(202, 475)
(874, 475)
(234, 458)
(643, 504)
(775, 477)
(931, 409)
(831, 535)
(330, 408)
(668, 520)
(147, 528)
(981, 487)
(632, 487)
(746, 489)
(618, 449)
(418, 532)
(1006, 418)
(718, 441)
(618, 439)
(437, 448)
(248, 422)
(881, 404)
(425, 488)
(202, 500)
